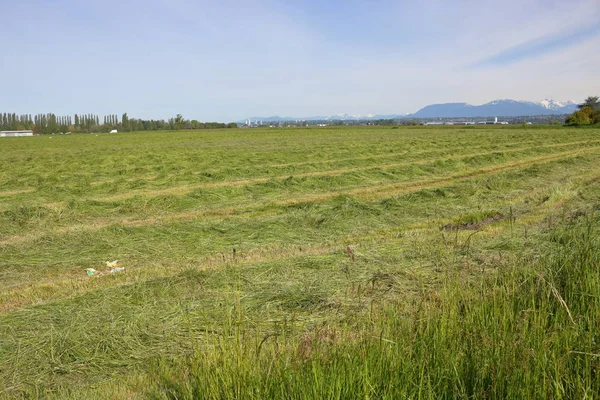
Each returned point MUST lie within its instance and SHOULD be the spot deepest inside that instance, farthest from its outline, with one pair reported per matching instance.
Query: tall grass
(530, 331)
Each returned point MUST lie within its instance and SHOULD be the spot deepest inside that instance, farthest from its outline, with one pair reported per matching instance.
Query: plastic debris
(113, 267)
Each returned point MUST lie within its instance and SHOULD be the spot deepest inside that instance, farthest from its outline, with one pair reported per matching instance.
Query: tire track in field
(374, 157)
(73, 285)
(265, 208)
(183, 190)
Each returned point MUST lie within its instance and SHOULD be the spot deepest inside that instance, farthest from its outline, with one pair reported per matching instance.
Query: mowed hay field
(370, 262)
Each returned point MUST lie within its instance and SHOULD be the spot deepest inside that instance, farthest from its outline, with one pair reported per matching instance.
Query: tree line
(588, 113)
(90, 123)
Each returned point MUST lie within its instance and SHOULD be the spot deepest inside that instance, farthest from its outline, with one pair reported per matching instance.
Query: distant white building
(114, 131)
(494, 122)
(15, 133)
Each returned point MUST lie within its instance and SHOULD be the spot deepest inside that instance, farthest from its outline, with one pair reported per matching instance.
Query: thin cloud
(538, 47)
(228, 60)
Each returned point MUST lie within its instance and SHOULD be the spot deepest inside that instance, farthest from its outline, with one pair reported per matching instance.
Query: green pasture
(346, 262)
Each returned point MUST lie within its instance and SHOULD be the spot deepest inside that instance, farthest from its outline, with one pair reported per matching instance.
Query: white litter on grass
(113, 267)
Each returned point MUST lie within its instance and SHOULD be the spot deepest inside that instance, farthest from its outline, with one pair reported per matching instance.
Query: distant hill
(496, 108)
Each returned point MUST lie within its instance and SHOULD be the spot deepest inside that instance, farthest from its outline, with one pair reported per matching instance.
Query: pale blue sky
(228, 60)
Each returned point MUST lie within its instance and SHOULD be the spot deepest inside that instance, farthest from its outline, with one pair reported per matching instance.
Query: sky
(226, 60)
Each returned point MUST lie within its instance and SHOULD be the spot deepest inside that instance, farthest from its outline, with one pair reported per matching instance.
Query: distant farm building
(15, 133)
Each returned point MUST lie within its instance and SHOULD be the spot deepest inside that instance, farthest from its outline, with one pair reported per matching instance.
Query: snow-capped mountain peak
(500, 101)
(554, 105)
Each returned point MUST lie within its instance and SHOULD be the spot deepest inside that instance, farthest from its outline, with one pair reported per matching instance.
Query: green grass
(528, 332)
(469, 246)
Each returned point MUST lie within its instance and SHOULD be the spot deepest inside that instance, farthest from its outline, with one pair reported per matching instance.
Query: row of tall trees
(13, 122)
(40, 123)
(90, 123)
(588, 113)
(176, 123)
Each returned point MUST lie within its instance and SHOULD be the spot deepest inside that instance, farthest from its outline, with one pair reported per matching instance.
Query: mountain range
(496, 108)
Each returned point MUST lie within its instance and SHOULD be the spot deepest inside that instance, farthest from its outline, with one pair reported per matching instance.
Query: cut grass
(236, 254)
(22, 214)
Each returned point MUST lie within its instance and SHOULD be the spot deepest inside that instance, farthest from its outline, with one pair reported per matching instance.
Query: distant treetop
(588, 113)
